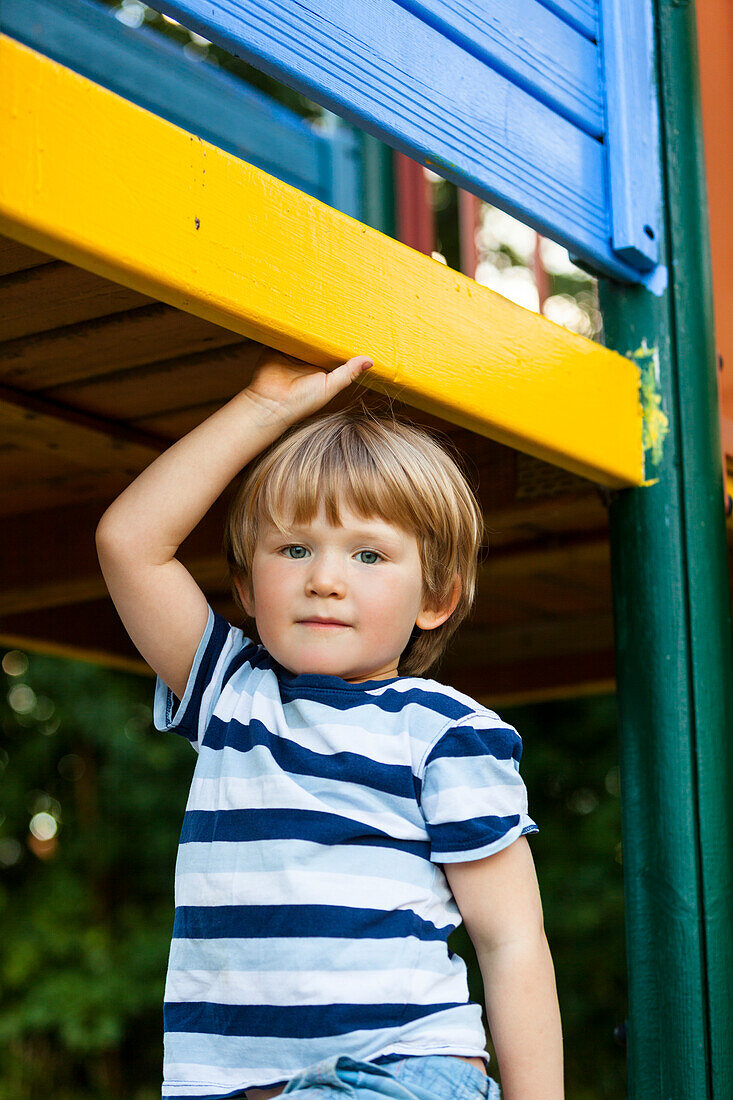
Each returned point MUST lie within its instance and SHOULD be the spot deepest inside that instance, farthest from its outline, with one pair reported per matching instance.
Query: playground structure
(161, 222)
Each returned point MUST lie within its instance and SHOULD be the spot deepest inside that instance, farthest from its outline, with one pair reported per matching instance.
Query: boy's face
(339, 601)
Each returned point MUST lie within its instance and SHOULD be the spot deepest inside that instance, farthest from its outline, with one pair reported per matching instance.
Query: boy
(345, 813)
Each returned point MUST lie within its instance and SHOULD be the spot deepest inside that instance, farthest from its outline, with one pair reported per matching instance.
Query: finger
(348, 372)
(356, 366)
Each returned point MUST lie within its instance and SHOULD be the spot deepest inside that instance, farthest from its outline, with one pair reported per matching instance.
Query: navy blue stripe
(347, 767)
(253, 654)
(204, 674)
(503, 742)
(388, 699)
(458, 836)
(291, 1021)
(207, 826)
(297, 922)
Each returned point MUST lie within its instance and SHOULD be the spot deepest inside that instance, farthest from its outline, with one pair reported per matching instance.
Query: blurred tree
(92, 803)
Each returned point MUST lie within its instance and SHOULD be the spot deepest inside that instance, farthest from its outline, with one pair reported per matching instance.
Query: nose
(326, 576)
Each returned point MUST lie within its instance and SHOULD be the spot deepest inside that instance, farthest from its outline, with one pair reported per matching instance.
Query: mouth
(322, 623)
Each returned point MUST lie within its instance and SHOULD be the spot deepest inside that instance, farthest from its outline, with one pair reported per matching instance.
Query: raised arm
(160, 604)
(499, 900)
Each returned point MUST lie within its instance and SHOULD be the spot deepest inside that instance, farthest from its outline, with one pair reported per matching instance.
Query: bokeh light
(22, 699)
(15, 663)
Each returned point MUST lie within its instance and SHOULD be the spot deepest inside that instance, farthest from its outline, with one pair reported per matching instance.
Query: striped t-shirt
(311, 910)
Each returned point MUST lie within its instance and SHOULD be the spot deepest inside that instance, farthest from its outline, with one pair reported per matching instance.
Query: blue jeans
(429, 1077)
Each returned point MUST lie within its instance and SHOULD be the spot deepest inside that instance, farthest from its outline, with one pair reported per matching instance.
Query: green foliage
(87, 914)
(570, 766)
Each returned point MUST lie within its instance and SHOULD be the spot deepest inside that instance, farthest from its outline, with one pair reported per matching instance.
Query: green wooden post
(673, 636)
(378, 192)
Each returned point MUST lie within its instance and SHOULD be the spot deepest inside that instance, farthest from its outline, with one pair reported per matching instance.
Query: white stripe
(465, 803)
(354, 955)
(233, 643)
(299, 887)
(281, 792)
(313, 987)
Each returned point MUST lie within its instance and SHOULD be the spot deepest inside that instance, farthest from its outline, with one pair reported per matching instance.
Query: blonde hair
(375, 466)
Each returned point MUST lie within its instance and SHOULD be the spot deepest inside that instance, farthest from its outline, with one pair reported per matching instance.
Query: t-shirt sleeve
(222, 650)
(473, 798)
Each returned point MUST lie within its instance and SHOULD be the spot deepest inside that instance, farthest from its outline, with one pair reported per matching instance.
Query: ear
(244, 590)
(430, 618)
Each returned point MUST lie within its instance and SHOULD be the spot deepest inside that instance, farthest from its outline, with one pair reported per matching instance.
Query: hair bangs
(343, 471)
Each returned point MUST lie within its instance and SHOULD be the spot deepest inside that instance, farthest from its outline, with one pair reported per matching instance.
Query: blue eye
(374, 553)
(297, 557)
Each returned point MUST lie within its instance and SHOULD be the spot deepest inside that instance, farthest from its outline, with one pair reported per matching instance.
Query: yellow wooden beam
(102, 183)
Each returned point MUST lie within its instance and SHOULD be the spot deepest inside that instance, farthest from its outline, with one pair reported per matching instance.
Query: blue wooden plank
(531, 46)
(581, 14)
(145, 68)
(632, 136)
(402, 80)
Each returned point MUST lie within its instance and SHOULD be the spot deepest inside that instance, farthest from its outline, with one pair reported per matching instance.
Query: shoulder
(233, 651)
(446, 721)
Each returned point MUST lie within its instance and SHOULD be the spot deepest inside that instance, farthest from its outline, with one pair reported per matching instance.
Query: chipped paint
(655, 422)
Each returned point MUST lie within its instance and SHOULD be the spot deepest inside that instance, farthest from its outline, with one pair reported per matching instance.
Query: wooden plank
(15, 256)
(535, 640)
(39, 572)
(58, 294)
(532, 46)
(632, 130)
(41, 485)
(439, 341)
(116, 342)
(476, 127)
(65, 437)
(581, 14)
(415, 218)
(565, 677)
(159, 389)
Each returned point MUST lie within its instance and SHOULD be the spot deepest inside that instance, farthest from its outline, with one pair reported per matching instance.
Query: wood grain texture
(42, 298)
(162, 388)
(297, 275)
(78, 353)
(531, 46)
(582, 14)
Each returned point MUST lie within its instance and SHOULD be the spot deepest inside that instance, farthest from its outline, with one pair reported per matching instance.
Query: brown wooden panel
(479, 646)
(54, 439)
(40, 572)
(107, 344)
(58, 294)
(15, 256)
(56, 483)
(533, 681)
(538, 520)
(156, 390)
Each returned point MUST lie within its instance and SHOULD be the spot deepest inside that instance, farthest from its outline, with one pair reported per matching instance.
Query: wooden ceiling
(96, 380)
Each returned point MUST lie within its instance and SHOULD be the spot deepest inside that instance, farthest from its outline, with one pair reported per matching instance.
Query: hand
(291, 389)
